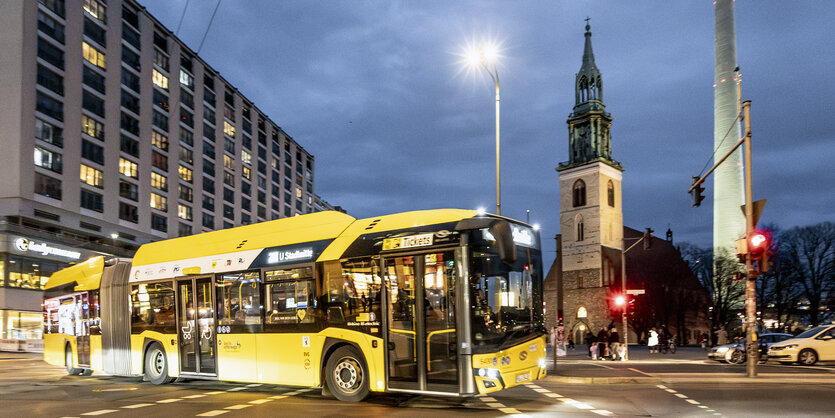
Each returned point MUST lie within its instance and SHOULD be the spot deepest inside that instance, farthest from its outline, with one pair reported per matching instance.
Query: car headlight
(721, 349)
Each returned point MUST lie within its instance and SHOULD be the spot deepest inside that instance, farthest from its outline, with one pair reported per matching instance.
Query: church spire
(588, 55)
(588, 88)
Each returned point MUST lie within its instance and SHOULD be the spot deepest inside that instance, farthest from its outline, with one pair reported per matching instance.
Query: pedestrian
(653, 341)
(570, 342)
(602, 343)
(721, 336)
(614, 344)
(703, 341)
(590, 341)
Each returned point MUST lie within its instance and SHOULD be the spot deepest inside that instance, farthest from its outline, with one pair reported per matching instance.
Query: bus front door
(196, 325)
(421, 337)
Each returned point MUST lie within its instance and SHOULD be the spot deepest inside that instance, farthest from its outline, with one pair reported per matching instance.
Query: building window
(183, 230)
(50, 27)
(130, 80)
(130, 102)
(187, 80)
(610, 192)
(92, 176)
(49, 133)
(208, 221)
(159, 140)
(159, 79)
(50, 80)
(129, 124)
(160, 99)
(128, 190)
(92, 201)
(581, 312)
(246, 188)
(160, 121)
(209, 115)
(228, 162)
(246, 157)
(186, 117)
(228, 129)
(92, 55)
(228, 179)
(208, 185)
(246, 172)
(229, 146)
(184, 212)
(209, 97)
(208, 167)
(49, 106)
(185, 174)
(128, 168)
(159, 182)
(187, 137)
(129, 145)
(579, 195)
(92, 152)
(186, 98)
(57, 6)
(159, 223)
(131, 36)
(47, 186)
(50, 54)
(159, 202)
(131, 59)
(95, 32)
(208, 203)
(48, 160)
(159, 161)
(128, 212)
(130, 16)
(228, 195)
(579, 228)
(96, 9)
(185, 193)
(92, 103)
(208, 131)
(186, 155)
(228, 212)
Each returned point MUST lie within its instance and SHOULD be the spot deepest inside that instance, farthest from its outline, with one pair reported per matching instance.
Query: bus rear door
(196, 326)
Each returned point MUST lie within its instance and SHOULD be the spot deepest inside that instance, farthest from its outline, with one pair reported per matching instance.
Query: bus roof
(86, 275)
(285, 231)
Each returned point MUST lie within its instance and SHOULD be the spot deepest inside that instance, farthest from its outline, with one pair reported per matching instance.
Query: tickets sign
(412, 241)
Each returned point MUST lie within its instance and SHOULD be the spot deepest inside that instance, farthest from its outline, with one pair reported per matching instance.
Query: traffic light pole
(623, 289)
(751, 343)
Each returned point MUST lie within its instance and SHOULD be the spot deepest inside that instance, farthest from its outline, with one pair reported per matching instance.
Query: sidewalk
(688, 365)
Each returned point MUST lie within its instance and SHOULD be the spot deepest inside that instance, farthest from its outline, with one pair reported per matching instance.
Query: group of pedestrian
(658, 337)
(605, 345)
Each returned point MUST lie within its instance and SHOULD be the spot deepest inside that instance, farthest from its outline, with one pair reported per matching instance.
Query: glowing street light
(485, 56)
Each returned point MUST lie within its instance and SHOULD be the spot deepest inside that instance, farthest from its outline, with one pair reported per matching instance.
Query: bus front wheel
(156, 365)
(346, 375)
(72, 371)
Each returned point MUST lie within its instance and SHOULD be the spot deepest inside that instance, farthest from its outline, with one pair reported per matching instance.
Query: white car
(735, 352)
(816, 344)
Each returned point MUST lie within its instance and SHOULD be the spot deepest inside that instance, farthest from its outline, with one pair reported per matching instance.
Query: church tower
(591, 215)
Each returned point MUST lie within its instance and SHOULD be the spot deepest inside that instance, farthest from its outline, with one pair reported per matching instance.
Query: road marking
(236, 389)
(260, 401)
(495, 404)
(488, 399)
(638, 371)
(604, 366)
(603, 412)
(670, 390)
(509, 410)
(254, 385)
(217, 392)
(694, 402)
(661, 386)
(114, 389)
(101, 412)
(278, 397)
(553, 395)
(681, 396)
(703, 406)
(170, 400)
(239, 406)
(138, 405)
(200, 395)
(212, 413)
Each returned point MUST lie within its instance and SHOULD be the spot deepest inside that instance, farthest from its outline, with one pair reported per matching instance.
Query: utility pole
(560, 322)
(751, 343)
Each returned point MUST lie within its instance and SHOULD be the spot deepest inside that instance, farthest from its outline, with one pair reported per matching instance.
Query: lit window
(92, 176)
(185, 174)
(159, 202)
(228, 162)
(159, 181)
(160, 80)
(128, 168)
(159, 140)
(246, 157)
(184, 212)
(186, 79)
(228, 128)
(246, 172)
(95, 9)
(298, 192)
(92, 55)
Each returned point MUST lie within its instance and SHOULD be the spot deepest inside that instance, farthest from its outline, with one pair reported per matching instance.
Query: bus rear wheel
(72, 371)
(346, 375)
(156, 365)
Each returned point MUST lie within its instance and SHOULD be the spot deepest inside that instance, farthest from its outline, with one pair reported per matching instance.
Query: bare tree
(716, 274)
(807, 255)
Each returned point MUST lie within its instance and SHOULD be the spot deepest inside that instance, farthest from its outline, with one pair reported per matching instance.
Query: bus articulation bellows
(444, 302)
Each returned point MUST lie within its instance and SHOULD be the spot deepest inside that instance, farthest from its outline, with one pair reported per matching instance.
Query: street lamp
(485, 57)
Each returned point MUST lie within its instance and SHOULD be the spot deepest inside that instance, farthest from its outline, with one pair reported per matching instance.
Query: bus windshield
(507, 299)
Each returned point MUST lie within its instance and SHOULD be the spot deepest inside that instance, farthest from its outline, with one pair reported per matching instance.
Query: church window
(578, 221)
(610, 188)
(579, 193)
(581, 312)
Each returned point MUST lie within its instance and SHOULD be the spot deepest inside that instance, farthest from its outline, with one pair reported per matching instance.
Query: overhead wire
(217, 6)
(177, 32)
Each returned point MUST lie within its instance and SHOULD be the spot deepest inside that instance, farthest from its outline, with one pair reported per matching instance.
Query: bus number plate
(523, 377)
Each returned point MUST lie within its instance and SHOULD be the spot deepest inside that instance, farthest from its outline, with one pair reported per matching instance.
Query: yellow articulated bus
(442, 302)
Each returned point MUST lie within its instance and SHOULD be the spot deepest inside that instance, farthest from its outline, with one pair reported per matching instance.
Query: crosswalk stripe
(212, 413)
(137, 405)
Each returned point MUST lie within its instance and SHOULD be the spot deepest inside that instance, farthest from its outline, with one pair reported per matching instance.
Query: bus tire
(72, 371)
(347, 375)
(156, 365)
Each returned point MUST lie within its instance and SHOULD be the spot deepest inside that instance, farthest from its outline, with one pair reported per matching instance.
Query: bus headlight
(489, 373)
(542, 363)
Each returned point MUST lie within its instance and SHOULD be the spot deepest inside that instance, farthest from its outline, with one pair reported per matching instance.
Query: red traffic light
(757, 244)
(620, 300)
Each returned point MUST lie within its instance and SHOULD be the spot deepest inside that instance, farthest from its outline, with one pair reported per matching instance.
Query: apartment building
(114, 133)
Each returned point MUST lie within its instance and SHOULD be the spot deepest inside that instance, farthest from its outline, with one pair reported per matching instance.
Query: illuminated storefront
(26, 263)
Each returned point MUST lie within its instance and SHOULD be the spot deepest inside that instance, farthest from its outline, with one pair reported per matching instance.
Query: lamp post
(485, 57)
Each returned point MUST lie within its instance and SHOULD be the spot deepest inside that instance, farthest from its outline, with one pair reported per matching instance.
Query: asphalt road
(31, 388)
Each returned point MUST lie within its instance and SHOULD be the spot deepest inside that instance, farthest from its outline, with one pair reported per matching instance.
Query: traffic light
(697, 192)
(759, 243)
(647, 238)
(620, 301)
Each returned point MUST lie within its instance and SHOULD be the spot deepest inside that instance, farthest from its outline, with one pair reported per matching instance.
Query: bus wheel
(72, 371)
(156, 365)
(346, 375)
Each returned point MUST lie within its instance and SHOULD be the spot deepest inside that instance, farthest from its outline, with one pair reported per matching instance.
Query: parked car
(725, 352)
(736, 354)
(816, 344)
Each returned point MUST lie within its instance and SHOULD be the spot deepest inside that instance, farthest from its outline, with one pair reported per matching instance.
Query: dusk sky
(377, 92)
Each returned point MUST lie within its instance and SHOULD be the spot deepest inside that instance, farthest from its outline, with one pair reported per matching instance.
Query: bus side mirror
(505, 246)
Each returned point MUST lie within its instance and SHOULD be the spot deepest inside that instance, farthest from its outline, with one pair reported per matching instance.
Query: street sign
(635, 291)
(758, 210)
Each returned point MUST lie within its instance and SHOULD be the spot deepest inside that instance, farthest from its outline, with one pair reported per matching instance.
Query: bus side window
(152, 307)
(353, 291)
(290, 296)
(239, 300)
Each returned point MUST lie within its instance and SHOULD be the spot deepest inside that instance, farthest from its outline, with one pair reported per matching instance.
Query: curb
(603, 380)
